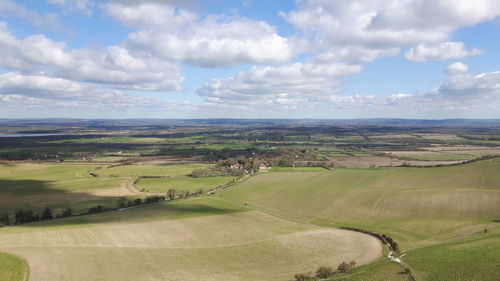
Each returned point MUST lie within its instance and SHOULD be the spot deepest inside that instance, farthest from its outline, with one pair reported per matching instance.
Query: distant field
(112, 140)
(108, 158)
(196, 239)
(219, 146)
(12, 268)
(25, 186)
(187, 139)
(439, 136)
(297, 169)
(432, 156)
(181, 183)
(415, 205)
(150, 170)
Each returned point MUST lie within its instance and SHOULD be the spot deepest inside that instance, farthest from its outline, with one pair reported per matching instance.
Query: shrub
(303, 276)
(96, 209)
(343, 267)
(324, 271)
(171, 193)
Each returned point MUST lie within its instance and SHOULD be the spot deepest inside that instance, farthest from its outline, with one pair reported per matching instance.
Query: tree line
(325, 271)
(25, 216)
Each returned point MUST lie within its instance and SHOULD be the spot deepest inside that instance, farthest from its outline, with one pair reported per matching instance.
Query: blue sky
(251, 59)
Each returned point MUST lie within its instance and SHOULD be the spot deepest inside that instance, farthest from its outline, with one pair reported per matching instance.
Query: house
(264, 167)
(237, 166)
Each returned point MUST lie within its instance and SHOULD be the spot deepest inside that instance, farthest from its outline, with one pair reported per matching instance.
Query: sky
(324, 59)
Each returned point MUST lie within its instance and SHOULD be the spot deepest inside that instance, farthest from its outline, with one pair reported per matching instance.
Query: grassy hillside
(37, 185)
(28, 178)
(26, 186)
(150, 170)
(181, 183)
(423, 208)
(12, 268)
(415, 205)
(196, 239)
(381, 270)
(477, 257)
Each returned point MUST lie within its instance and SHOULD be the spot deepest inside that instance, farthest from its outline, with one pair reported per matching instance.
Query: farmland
(81, 186)
(416, 205)
(420, 207)
(224, 242)
(162, 185)
(149, 170)
(435, 190)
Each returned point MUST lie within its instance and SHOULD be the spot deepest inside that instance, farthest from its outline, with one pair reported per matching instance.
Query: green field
(196, 239)
(420, 207)
(25, 186)
(40, 185)
(37, 178)
(105, 140)
(186, 183)
(381, 270)
(437, 156)
(108, 158)
(477, 257)
(297, 169)
(12, 268)
(150, 170)
(415, 205)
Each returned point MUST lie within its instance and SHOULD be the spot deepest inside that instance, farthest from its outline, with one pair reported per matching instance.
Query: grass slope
(150, 170)
(27, 178)
(381, 270)
(25, 186)
(475, 258)
(12, 268)
(186, 183)
(415, 205)
(196, 239)
(37, 185)
(423, 208)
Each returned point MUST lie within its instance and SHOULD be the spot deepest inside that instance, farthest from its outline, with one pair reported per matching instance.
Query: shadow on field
(27, 195)
(25, 187)
(178, 209)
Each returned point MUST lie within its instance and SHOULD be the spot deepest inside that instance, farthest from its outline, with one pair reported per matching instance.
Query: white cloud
(353, 54)
(464, 86)
(212, 41)
(456, 68)
(440, 52)
(83, 6)
(289, 85)
(150, 15)
(9, 8)
(115, 66)
(48, 91)
(382, 23)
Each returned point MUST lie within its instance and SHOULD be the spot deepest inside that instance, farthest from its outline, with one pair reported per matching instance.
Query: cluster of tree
(123, 202)
(324, 272)
(96, 209)
(385, 239)
(26, 216)
(241, 165)
(217, 172)
(173, 193)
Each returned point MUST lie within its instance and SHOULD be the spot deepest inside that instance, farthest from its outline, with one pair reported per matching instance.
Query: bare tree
(324, 271)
